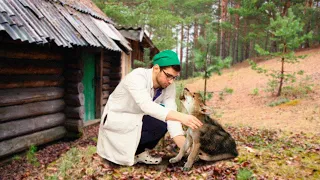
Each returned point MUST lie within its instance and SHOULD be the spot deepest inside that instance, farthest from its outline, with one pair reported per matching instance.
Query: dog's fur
(210, 142)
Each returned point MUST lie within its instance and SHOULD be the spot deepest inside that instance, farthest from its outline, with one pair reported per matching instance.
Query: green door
(89, 84)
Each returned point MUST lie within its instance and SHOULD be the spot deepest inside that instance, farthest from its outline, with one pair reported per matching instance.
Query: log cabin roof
(67, 23)
(138, 34)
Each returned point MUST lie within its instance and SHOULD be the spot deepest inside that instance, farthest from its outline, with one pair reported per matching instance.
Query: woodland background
(236, 26)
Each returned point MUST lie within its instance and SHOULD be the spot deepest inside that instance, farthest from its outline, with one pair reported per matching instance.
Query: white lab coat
(119, 136)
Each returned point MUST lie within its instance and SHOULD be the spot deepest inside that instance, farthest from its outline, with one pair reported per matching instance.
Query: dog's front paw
(187, 167)
(174, 160)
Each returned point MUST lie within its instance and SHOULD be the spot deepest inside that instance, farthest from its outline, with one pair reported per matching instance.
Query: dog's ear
(205, 109)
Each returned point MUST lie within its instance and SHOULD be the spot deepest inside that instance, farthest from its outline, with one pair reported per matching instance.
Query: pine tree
(155, 16)
(286, 32)
(206, 54)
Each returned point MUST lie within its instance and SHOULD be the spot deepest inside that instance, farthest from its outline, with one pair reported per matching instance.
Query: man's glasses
(170, 76)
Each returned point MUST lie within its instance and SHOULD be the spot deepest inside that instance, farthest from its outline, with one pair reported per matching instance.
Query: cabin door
(89, 86)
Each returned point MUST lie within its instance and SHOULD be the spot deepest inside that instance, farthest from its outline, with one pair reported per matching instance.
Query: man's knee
(151, 124)
(163, 128)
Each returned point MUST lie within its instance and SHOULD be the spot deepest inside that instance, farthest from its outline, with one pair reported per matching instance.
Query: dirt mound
(248, 104)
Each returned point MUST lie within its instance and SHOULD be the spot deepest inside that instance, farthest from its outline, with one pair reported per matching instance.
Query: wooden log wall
(111, 74)
(115, 71)
(106, 79)
(74, 97)
(31, 97)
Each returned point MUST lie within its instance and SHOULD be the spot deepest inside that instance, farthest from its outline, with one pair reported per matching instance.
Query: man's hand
(191, 121)
(186, 119)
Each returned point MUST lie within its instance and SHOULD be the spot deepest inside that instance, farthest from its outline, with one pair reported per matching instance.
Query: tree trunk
(274, 46)
(187, 53)
(247, 42)
(282, 72)
(195, 34)
(286, 6)
(177, 40)
(181, 44)
(224, 6)
(267, 41)
(307, 42)
(236, 37)
(242, 51)
(281, 77)
(205, 75)
(309, 4)
(195, 44)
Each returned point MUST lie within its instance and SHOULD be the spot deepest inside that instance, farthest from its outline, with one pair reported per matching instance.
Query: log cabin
(139, 41)
(59, 60)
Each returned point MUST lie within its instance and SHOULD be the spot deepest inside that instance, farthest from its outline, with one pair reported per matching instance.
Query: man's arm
(179, 140)
(186, 119)
(135, 84)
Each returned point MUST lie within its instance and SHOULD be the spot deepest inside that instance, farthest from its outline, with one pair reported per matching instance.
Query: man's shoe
(146, 158)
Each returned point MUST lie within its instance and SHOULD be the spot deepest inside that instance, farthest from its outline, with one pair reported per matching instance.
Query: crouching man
(140, 111)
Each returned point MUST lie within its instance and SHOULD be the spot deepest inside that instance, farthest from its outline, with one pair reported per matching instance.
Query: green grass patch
(244, 174)
(31, 156)
(255, 92)
(278, 102)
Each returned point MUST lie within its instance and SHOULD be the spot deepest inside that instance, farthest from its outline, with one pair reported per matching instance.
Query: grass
(278, 102)
(244, 174)
(255, 92)
(263, 154)
(31, 157)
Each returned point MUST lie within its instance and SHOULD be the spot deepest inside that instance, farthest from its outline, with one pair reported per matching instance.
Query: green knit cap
(166, 58)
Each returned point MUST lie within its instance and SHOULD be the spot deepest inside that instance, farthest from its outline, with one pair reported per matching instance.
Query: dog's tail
(219, 157)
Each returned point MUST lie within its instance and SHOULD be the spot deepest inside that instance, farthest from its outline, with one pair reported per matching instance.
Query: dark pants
(152, 131)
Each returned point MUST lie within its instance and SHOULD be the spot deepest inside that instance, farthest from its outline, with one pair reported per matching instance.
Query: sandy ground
(243, 108)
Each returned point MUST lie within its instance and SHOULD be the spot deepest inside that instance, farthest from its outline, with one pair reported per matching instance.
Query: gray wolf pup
(210, 142)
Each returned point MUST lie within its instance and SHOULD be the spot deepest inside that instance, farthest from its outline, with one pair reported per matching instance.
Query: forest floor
(274, 142)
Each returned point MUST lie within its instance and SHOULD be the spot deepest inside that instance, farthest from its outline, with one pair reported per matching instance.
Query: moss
(292, 102)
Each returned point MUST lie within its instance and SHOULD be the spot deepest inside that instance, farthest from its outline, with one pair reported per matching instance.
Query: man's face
(166, 77)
